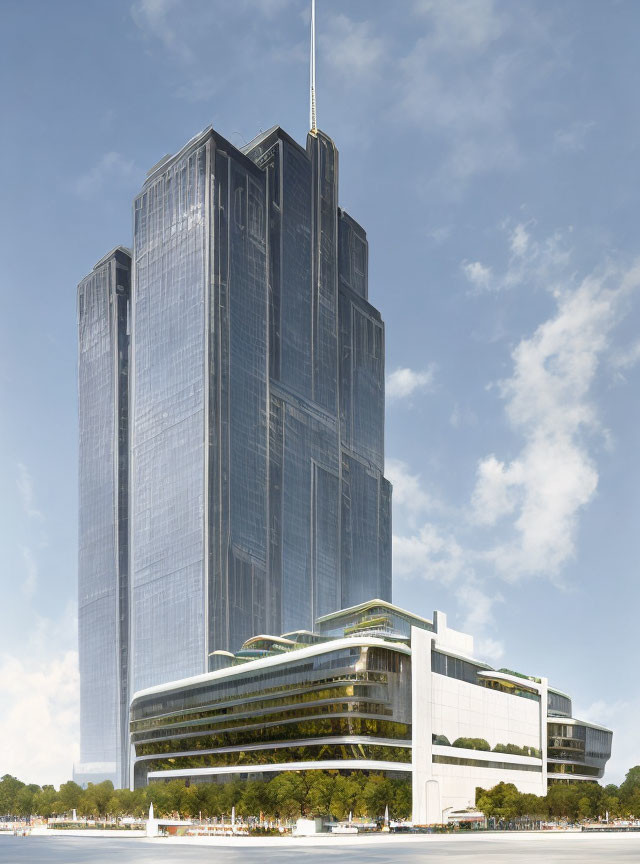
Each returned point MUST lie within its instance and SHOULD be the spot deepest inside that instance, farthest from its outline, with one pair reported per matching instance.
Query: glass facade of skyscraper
(103, 303)
(256, 499)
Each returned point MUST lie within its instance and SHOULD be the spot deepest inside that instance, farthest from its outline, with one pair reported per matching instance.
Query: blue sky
(491, 150)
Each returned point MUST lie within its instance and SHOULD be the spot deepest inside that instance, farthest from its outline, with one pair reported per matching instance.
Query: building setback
(232, 423)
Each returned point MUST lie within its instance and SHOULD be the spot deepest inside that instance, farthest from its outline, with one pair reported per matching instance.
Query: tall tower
(258, 500)
(232, 421)
(103, 584)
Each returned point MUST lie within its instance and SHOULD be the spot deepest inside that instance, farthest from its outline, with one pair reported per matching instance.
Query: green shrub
(472, 743)
(515, 750)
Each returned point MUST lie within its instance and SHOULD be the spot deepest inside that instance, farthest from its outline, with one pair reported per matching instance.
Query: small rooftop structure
(373, 617)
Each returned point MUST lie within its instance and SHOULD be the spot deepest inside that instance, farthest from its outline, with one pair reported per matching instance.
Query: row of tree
(291, 794)
(285, 796)
(572, 801)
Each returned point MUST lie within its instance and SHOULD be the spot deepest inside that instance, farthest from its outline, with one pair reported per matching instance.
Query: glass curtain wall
(168, 422)
(348, 703)
(103, 614)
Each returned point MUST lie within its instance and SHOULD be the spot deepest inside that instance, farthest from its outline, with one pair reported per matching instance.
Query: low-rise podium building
(376, 689)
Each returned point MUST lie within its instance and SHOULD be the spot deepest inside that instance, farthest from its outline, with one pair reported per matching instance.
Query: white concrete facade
(425, 795)
(444, 777)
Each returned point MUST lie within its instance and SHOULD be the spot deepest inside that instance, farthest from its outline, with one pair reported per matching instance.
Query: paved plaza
(485, 849)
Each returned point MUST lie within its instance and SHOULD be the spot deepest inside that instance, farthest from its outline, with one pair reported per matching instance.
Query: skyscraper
(232, 422)
(103, 585)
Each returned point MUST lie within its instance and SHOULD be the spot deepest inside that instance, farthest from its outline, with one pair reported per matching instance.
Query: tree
(594, 792)
(44, 802)
(563, 801)
(69, 796)
(509, 808)
(631, 805)
(114, 806)
(500, 801)
(322, 791)
(347, 797)
(630, 786)
(402, 799)
(24, 800)
(129, 803)
(231, 795)
(190, 802)
(611, 805)
(95, 799)
(9, 788)
(254, 799)
(377, 795)
(212, 799)
(584, 808)
(289, 794)
(533, 806)
(173, 797)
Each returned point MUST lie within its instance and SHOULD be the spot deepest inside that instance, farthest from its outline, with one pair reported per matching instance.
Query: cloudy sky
(491, 149)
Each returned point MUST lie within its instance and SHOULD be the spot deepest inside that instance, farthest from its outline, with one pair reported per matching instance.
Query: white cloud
(532, 263)
(186, 29)
(477, 604)
(467, 25)
(524, 509)
(153, 17)
(462, 415)
(200, 88)
(493, 496)
(112, 166)
(472, 68)
(350, 48)
(31, 571)
(519, 240)
(439, 234)
(39, 709)
(477, 607)
(469, 106)
(548, 401)
(39, 701)
(266, 8)
(405, 382)
(477, 273)
(453, 85)
(45, 632)
(25, 491)
(625, 359)
(488, 649)
(430, 554)
(535, 263)
(572, 139)
(407, 488)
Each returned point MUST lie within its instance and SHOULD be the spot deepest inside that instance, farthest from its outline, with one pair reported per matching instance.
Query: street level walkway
(507, 848)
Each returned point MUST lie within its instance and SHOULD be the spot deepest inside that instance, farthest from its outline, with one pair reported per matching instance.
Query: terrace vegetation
(482, 744)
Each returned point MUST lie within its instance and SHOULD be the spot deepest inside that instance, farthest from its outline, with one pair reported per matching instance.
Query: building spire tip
(312, 72)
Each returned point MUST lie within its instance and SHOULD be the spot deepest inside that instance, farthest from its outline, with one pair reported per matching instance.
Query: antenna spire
(312, 71)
